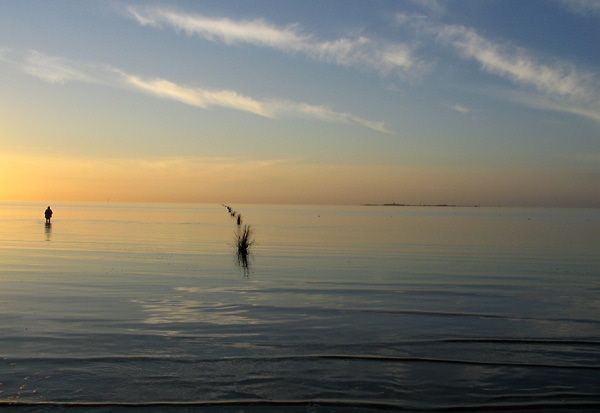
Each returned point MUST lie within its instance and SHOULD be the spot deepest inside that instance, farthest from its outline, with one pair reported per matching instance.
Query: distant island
(393, 204)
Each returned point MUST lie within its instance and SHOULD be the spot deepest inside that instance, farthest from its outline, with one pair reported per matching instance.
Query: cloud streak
(197, 96)
(548, 103)
(560, 85)
(57, 70)
(459, 108)
(203, 98)
(538, 81)
(550, 84)
(54, 69)
(360, 52)
(518, 65)
(582, 7)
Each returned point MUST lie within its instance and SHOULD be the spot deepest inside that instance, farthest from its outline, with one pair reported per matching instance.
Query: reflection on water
(48, 230)
(191, 311)
(346, 307)
(243, 261)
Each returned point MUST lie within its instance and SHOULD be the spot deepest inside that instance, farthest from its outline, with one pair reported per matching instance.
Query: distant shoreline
(393, 204)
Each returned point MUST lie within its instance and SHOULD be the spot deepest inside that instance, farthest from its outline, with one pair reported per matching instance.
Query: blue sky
(468, 102)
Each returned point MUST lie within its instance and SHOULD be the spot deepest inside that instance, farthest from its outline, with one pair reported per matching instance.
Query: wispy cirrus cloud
(198, 97)
(545, 102)
(517, 64)
(58, 70)
(459, 108)
(257, 32)
(203, 98)
(54, 69)
(559, 84)
(583, 7)
(361, 51)
(322, 112)
(541, 82)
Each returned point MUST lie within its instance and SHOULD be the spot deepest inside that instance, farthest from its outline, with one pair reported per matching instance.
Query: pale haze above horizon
(492, 103)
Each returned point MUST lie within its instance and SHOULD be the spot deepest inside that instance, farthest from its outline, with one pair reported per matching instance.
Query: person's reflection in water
(48, 228)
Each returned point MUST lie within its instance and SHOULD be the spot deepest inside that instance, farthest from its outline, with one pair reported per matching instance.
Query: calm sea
(119, 307)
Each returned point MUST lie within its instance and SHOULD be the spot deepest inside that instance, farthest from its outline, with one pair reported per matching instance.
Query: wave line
(360, 357)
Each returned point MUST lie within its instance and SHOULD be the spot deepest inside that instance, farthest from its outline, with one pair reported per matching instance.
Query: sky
(490, 102)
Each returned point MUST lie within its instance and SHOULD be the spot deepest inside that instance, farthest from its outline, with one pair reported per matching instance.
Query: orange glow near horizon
(224, 180)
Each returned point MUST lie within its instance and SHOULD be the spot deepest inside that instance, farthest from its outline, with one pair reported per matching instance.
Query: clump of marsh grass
(244, 240)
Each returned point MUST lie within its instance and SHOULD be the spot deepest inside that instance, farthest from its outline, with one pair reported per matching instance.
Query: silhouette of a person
(48, 215)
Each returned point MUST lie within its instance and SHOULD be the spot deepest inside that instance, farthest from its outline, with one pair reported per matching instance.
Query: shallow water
(118, 306)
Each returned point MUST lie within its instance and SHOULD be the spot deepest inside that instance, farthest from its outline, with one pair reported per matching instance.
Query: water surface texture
(122, 306)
